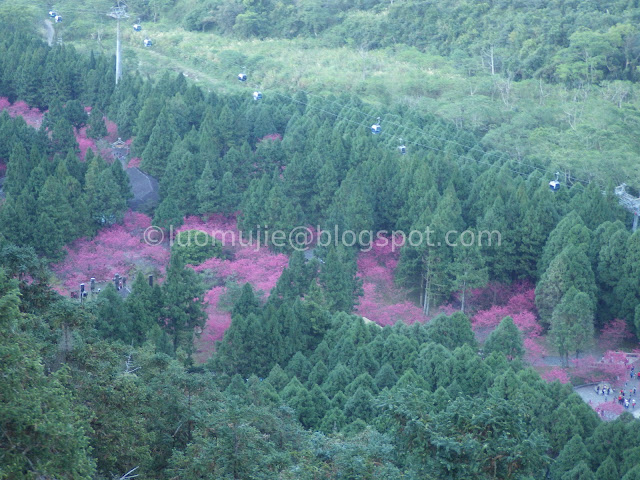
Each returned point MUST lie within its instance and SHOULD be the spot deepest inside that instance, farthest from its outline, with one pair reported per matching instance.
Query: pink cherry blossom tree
(555, 373)
(117, 249)
(614, 334)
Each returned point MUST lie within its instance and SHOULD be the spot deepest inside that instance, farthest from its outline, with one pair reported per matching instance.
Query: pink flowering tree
(85, 143)
(117, 249)
(243, 262)
(555, 373)
(32, 116)
(271, 136)
(612, 368)
(609, 410)
(518, 302)
(382, 301)
(614, 334)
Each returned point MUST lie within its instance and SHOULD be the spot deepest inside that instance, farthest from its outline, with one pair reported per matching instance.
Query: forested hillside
(551, 83)
(299, 387)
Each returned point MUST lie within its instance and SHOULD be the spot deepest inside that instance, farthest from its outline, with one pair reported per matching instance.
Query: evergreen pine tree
(572, 323)
(168, 216)
(339, 282)
(183, 309)
(506, 339)
(160, 144)
(207, 192)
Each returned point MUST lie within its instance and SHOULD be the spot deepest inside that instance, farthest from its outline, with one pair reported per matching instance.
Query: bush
(196, 246)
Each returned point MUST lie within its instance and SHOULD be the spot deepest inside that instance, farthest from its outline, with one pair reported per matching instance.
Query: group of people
(623, 399)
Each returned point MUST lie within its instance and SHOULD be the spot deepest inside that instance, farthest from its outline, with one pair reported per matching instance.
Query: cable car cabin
(58, 18)
(257, 95)
(402, 149)
(147, 42)
(554, 185)
(52, 14)
(375, 129)
(137, 27)
(242, 77)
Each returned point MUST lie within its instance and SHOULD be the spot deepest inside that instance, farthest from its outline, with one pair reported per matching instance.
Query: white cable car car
(257, 95)
(554, 185)
(52, 14)
(402, 149)
(375, 128)
(137, 27)
(58, 18)
(242, 77)
(147, 42)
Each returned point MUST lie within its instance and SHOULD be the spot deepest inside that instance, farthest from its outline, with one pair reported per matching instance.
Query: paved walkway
(589, 395)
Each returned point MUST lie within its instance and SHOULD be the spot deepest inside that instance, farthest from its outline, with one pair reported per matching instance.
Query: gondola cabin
(257, 95)
(147, 42)
(137, 27)
(375, 128)
(402, 149)
(58, 18)
(554, 185)
(52, 14)
(242, 77)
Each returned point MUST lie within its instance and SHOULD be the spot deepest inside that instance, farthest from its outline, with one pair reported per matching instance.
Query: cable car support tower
(629, 202)
(118, 12)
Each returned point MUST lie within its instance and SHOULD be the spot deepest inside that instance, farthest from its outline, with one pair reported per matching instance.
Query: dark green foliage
(168, 215)
(506, 339)
(452, 332)
(446, 411)
(196, 246)
(572, 323)
(183, 309)
(338, 279)
(574, 452)
(38, 412)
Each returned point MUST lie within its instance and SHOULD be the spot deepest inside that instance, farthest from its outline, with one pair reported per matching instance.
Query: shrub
(196, 246)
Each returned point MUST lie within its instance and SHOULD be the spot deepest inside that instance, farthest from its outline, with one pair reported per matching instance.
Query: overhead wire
(501, 156)
(429, 147)
(474, 148)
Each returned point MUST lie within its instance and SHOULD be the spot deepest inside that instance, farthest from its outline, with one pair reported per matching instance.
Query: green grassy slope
(586, 130)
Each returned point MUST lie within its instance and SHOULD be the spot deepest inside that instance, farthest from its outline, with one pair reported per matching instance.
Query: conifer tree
(183, 308)
(506, 339)
(207, 192)
(228, 194)
(18, 170)
(143, 308)
(571, 230)
(179, 179)
(468, 270)
(572, 323)
(386, 377)
(571, 268)
(146, 121)
(628, 289)
(168, 216)
(339, 282)
(454, 331)
(572, 453)
(54, 423)
(62, 136)
(113, 319)
(74, 111)
(160, 144)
